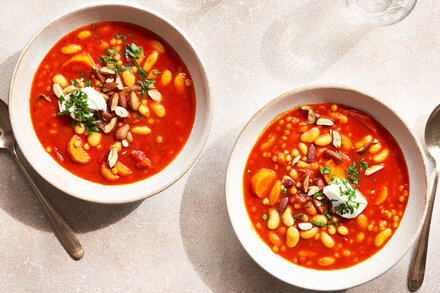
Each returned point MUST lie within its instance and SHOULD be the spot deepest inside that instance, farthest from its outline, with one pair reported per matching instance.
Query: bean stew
(325, 186)
(112, 103)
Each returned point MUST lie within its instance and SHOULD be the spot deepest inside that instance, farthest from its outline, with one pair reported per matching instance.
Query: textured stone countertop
(181, 240)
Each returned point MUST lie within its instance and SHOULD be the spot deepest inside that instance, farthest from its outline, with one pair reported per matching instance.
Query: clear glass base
(382, 12)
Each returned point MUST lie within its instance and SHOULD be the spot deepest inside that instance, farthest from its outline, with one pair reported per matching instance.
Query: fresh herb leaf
(44, 97)
(364, 165)
(144, 86)
(248, 171)
(349, 193)
(93, 26)
(96, 36)
(264, 217)
(284, 190)
(133, 51)
(141, 72)
(78, 105)
(156, 72)
(317, 223)
(297, 215)
(352, 174)
(331, 224)
(325, 170)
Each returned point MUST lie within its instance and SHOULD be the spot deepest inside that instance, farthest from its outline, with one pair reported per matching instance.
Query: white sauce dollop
(95, 101)
(338, 192)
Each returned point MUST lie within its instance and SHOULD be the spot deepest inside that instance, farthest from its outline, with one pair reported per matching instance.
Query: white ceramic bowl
(20, 88)
(378, 263)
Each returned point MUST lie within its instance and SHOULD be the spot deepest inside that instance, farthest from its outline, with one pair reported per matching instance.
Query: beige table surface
(181, 240)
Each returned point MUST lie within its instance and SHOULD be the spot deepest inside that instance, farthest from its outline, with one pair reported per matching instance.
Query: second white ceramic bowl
(20, 88)
(378, 263)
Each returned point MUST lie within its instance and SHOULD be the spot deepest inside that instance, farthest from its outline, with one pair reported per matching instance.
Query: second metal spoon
(432, 141)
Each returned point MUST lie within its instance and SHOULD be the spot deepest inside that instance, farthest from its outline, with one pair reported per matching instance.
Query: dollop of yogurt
(347, 201)
(95, 101)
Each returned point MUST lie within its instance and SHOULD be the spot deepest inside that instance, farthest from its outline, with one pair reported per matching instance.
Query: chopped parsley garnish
(139, 116)
(327, 214)
(83, 114)
(119, 36)
(284, 190)
(75, 82)
(317, 223)
(95, 36)
(110, 61)
(306, 206)
(348, 192)
(156, 72)
(142, 74)
(133, 51)
(248, 171)
(331, 224)
(297, 216)
(352, 171)
(264, 217)
(93, 26)
(130, 35)
(352, 174)
(318, 194)
(44, 97)
(321, 224)
(144, 86)
(111, 52)
(325, 170)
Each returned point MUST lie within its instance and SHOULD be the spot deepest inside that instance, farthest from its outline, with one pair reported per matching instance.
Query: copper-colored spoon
(65, 234)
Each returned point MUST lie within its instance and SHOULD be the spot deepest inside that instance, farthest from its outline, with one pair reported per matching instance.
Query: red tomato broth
(174, 128)
(394, 176)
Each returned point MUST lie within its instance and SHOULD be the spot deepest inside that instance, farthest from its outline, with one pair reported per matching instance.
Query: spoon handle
(65, 234)
(417, 270)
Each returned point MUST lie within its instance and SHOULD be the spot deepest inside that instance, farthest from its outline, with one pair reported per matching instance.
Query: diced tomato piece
(144, 164)
(137, 155)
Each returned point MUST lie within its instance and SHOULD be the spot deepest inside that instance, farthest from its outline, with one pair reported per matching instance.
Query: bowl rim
(228, 193)
(209, 102)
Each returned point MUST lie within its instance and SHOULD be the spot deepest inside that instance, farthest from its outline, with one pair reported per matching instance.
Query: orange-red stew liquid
(334, 242)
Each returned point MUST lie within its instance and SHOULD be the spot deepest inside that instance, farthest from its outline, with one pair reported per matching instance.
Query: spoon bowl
(432, 133)
(65, 234)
